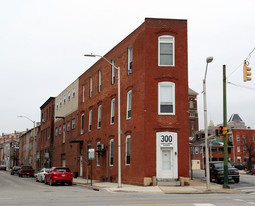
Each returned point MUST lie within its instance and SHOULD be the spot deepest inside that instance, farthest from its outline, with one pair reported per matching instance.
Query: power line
(238, 85)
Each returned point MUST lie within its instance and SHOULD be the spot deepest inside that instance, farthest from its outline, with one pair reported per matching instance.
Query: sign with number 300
(166, 140)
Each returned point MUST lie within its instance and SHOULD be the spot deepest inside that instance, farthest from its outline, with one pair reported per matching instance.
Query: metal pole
(119, 133)
(225, 185)
(206, 136)
(34, 149)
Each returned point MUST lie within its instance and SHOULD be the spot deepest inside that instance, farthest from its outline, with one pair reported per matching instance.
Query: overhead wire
(238, 85)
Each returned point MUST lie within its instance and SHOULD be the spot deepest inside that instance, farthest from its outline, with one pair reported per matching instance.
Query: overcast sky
(42, 44)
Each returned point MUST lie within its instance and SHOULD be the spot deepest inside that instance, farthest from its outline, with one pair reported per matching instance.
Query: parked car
(40, 176)
(253, 169)
(59, 175)
(217, 172)
(3, 167)
(26, 170)
(15, 170)
(239, 166)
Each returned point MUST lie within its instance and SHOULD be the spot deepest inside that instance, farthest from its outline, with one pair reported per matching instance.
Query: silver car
(40, 175)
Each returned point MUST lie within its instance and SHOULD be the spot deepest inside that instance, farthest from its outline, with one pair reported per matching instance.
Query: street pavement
(196, 186)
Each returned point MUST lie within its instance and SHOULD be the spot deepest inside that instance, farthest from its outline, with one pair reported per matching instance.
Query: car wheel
(236, 180)
(51, 183)
(70, 183)
(217, 180)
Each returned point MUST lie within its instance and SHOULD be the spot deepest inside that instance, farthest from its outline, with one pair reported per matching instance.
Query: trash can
(75, 174)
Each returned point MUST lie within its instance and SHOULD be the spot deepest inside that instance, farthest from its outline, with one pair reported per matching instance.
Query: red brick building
(44, 155)
(243, 141)
(154, 103)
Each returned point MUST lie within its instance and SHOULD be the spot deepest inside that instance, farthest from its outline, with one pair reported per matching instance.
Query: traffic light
(220, 130)
(246, 72)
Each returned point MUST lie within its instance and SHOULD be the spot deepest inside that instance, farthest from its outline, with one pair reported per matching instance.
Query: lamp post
(119, 130)
(33, 140)
(208, 60)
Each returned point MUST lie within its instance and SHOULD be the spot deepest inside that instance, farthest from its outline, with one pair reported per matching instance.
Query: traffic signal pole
(225, 185)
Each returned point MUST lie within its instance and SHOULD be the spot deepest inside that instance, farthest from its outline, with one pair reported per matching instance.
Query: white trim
(99, 80)
(113, 71)
(128, 137)
(172, 85)
(130, 59)
(90, 86)
(111, 151)
(82, 123)
(83, 93)
(112, 111)
(170, 40)
(90, 120)
(129, 104)
(99, 116)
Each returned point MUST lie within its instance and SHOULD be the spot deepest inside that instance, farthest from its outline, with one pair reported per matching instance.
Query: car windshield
(47, 169)
(220, 165)
(62, 170)
(27, 167)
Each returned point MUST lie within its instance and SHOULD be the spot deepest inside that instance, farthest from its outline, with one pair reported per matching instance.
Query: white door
(167, 158)
(63, 162)
(81, 171)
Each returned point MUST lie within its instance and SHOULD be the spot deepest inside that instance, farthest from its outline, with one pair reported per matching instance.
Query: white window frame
(167, 39)
(238, 149)
(73, 92)
(112, 111)
(83, 93)
(90, 120)
(99, 80)
(113, 71)
(90, 86)
(56, 131)
(69, 96)
(169, 84)
(130, 59)
(64, 100)
(59, 130)
(99, 116)
(98, 156)
(82, 123)
(129, 104)
(68, 126)
(73, 123)
(128, 150)
(237, 138)
(196, 150)
(111, 152)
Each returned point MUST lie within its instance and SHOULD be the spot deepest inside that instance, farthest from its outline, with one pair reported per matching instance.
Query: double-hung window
(129, 104)
(128, 138)
(90, 86)
(113, 71)
(83, 93)
(112, 111)
(82, 123)
(99, 80)
(111, 152)
(99, 116)
(166, 50)
(90, 119)
(130, 59)
(98, 155)
(166, 98)
(73, 123)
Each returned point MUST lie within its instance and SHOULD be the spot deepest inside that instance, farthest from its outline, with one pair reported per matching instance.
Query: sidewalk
(196, 187)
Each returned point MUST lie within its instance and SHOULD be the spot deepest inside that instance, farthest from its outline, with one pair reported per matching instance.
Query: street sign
(91, 154)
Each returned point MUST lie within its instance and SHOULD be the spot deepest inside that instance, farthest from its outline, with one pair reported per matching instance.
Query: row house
(9, 148)
(45, 140)
(67, 151)
(154, 104)
(243, 141)
(27, 147)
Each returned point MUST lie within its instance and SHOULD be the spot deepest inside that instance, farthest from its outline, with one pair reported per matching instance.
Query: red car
(3, 167)
(59, 175)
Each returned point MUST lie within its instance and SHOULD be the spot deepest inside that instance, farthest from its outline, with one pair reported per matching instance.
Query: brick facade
(145, 122)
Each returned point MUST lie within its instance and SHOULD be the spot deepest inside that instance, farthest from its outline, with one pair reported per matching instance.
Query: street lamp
(119, 130)
(208, 60)
(33, 141)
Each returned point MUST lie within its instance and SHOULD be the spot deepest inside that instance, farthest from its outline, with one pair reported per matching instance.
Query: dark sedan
(217, 172)
(15, 170)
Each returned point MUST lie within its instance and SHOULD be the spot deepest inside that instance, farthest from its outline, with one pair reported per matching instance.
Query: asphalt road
(26, 192)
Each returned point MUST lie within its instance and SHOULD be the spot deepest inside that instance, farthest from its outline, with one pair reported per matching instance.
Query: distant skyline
(43, 43)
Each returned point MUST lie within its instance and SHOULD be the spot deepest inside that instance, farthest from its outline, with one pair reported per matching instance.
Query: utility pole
(225, 185)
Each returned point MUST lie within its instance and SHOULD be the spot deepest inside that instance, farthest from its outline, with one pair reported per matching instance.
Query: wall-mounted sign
(166, 140)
